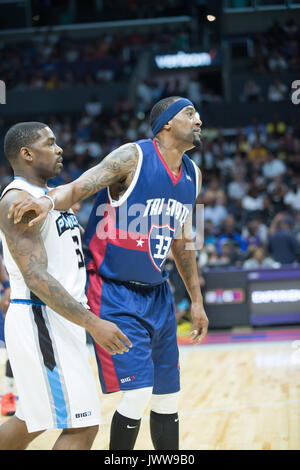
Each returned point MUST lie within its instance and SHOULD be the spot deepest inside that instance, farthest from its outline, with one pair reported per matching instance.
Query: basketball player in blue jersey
(127, 282)
(47, 319)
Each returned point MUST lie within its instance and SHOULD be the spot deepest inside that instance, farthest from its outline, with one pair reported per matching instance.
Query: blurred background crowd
(60, 60)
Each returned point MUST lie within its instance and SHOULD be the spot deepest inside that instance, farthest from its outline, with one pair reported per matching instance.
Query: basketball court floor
(240, 391)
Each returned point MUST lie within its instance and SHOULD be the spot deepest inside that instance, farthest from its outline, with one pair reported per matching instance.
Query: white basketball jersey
(61, 236)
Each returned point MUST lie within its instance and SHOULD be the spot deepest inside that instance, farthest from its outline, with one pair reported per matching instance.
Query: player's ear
(168, 126)
(26, 154)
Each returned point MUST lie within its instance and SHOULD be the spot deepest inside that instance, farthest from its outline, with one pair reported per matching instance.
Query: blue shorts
(146, 316)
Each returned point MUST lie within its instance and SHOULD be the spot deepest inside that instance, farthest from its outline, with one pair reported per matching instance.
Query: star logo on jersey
(140, 242)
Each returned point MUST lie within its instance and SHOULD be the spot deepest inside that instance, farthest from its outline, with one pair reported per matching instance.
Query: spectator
(292, 197)
(291, 28)
(214, 211)
(276, 127)
(257, 153)
(144, 94)
(277, 62)
(176, 285)
(230, 235)
(252, 92)
(208, 155)
(226, 254)
(243, 146)
(213, 259)
(93, 107)
(277, 91)
(296, 229)
(260, 260)
(283, 245)
(209, 233)
(255, 131)
(253, 201)
(277, 191)
(194, 92)
(255, 233)
(238, 187)
(214, 190)
(273, 167)
(224, 164)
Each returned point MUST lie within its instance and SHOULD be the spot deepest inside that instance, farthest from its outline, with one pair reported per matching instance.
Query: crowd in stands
(60, 60)
(277, 49)
(53, 12)
(193, 87)
(251, 196)
(137, 9)
(276, 91)
(275, 53)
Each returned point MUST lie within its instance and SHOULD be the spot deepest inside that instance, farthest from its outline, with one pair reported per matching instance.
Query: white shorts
(50, 364)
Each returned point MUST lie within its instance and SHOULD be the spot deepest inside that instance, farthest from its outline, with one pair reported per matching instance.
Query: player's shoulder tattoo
(122, 159)
(116, 166)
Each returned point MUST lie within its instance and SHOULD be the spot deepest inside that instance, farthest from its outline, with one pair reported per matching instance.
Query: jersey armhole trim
(7, 189)
(197, 177)
(131, 187)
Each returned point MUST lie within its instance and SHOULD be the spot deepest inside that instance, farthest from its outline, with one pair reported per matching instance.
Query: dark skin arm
(184, 254)
(27, 249)
(5, 299)
(114, 171)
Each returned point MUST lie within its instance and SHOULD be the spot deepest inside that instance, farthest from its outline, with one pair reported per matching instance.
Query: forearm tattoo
(28, 251)
(118, 167)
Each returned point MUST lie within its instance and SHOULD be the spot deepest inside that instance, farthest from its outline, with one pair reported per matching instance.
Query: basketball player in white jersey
(47, 317)
(8, 400)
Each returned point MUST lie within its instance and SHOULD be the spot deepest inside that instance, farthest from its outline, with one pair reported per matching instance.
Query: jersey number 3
(78, 252)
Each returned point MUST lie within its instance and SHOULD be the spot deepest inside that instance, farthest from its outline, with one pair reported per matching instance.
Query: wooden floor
(234, 397)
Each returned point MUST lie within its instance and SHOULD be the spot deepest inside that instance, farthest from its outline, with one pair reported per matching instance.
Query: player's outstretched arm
(27, 249)
(117, 167)
(185, 258)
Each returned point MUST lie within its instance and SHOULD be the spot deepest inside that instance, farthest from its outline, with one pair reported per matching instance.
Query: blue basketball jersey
(129, 239)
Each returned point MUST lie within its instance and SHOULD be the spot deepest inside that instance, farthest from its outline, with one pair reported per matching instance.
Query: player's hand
(39, 206)
(200, 323)
(110, 337)
(5, 301)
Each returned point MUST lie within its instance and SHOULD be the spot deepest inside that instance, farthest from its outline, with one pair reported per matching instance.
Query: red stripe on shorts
(94, 293)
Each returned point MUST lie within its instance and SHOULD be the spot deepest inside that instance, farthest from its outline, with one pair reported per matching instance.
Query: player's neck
(171, 154)
(35, 180)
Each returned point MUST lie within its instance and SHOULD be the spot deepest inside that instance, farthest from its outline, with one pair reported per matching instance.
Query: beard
(197, 140)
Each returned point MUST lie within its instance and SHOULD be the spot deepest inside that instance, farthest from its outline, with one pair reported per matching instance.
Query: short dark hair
(21, 135)
(161, 106)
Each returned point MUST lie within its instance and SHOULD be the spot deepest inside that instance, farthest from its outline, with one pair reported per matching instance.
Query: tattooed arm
(183, 250)
(116, 170)
(28, 251)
